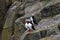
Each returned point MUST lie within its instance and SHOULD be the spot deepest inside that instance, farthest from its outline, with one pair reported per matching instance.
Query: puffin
(29, 25)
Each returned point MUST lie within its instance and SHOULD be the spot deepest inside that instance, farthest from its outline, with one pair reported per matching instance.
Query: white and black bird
(29, 25)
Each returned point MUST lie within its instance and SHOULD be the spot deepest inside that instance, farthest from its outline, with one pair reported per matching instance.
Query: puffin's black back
(34, 20)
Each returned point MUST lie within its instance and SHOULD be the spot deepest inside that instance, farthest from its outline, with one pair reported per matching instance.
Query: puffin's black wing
(34, 20)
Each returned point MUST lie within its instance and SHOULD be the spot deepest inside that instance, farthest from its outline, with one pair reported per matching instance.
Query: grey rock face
(53, 37)
(34, 36)
(51, 10)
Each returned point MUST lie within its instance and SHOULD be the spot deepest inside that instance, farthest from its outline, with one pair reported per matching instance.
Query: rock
(59, 26)
(51, 10)
(8, 2)
(54, 37)
(34, 36)
(31, 9)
